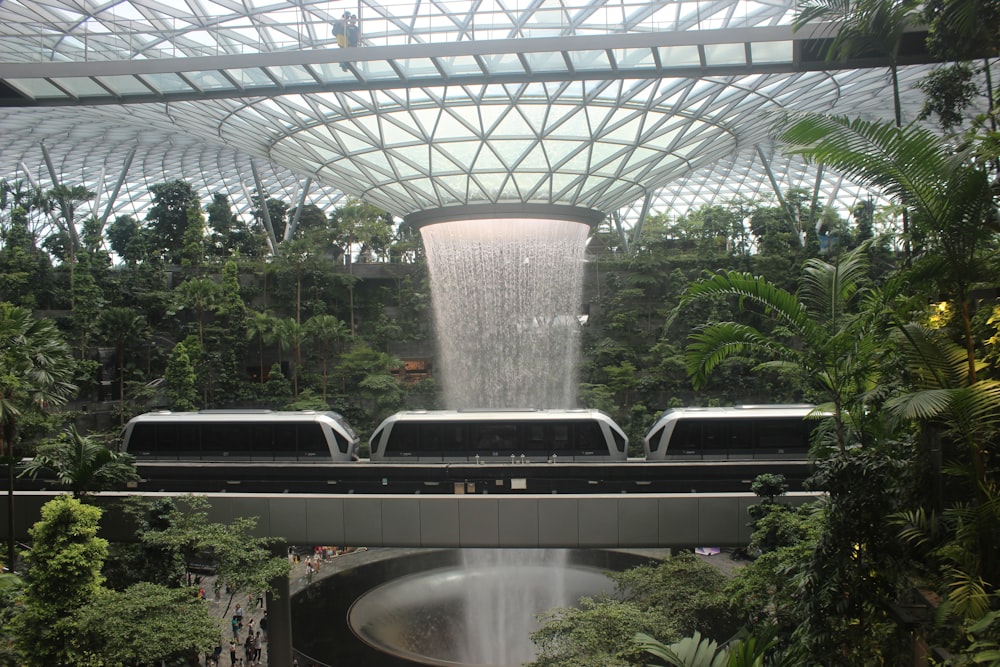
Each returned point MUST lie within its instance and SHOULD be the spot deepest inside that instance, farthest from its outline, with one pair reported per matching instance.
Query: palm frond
(777, 303)
(911, 164)
(931, 356)
(694, 651)
(926, 404)
(827, 289)
(717, 342)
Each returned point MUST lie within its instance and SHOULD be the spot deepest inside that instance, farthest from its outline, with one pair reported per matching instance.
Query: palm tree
(81, 464)
(122, 326)
(864, 28)
(326, 329)
(201, 294)
(36, 371)
(948, 194)
(260, 326)
(828, 329)
(967, 415)
(290, 334)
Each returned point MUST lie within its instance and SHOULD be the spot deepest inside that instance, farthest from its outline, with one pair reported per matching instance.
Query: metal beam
(265, 213)
(294, 222)
(118, 185)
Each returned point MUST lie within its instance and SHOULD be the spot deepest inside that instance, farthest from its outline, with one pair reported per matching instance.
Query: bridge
(655, 520)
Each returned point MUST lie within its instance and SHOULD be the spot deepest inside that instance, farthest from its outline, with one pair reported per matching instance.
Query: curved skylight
(612, 106)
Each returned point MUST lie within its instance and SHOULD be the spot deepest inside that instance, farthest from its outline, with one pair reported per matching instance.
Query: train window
(686, 438)
(260, 440)
(311, 441)
(589, 439)
(403, 440)
(342, 442)
(495, 439)
(559, 439)
(220, 439)
(716, 438)
(654, 439)
(620, 442)
(143, 440)
(776, 436)
(376, 441)
(283, 440)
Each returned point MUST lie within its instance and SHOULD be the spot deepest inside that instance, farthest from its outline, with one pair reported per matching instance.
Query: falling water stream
(507, 295)
(479, 613)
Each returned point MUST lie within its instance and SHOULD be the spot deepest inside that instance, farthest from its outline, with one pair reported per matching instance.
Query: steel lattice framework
(618, 106)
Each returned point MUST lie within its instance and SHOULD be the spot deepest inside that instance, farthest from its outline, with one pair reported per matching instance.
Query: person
(353, 31)
(232, 652)
(340, 29)
(236, 627)
(263, 625)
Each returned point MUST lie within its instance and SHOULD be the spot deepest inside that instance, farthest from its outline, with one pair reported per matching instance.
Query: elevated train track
(453, 478)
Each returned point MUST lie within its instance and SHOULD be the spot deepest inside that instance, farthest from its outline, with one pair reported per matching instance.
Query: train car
(740, 432)
(499, 436)
(240, 435)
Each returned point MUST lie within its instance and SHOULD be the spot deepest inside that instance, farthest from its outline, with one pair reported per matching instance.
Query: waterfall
(506, 297)
(506, 590)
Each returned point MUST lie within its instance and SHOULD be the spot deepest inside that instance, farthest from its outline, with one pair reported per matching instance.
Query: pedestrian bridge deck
(461, 521)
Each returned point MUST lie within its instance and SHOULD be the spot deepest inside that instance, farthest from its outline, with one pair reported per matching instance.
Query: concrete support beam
(465, 521)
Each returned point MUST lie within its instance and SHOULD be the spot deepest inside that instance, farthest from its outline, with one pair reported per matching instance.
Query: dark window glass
(221, 439)
(589, 439)
(495, 439)
(311, 440)
(654, 439)
(620, 442)
(779, 436)
(284, 440)
(143, 441)
(403, 440)
(715, 438)
(686, 438)
(260, 441)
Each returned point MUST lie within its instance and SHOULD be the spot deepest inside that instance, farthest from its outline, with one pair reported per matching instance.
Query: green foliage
(81, 464)
(143, 625)
(693, 651)
(63, 575)
(181, 380)
(169, 217)
(833, 328)
(593, 635)
(240, 558)
(672, 599)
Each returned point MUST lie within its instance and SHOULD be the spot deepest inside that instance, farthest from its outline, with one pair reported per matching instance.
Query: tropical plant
(949, 195)
(36, 371)
(63, 575)
(81, 464)
(327, 330)
(693, 651)
(200, 295)
(241, 559)
(831, 328)
(864, 28)
(966, 418)
(123, 327)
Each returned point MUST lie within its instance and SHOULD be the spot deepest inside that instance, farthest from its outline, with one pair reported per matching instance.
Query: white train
(430, 436)
(240, 435)
(741, 432)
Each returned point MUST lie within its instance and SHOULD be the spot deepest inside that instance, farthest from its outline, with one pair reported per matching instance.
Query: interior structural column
(279, 624)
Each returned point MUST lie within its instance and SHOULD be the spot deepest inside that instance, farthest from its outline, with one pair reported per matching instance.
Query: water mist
(507, 295)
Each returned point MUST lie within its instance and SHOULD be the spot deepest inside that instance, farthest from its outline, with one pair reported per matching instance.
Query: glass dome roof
(616, 106)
